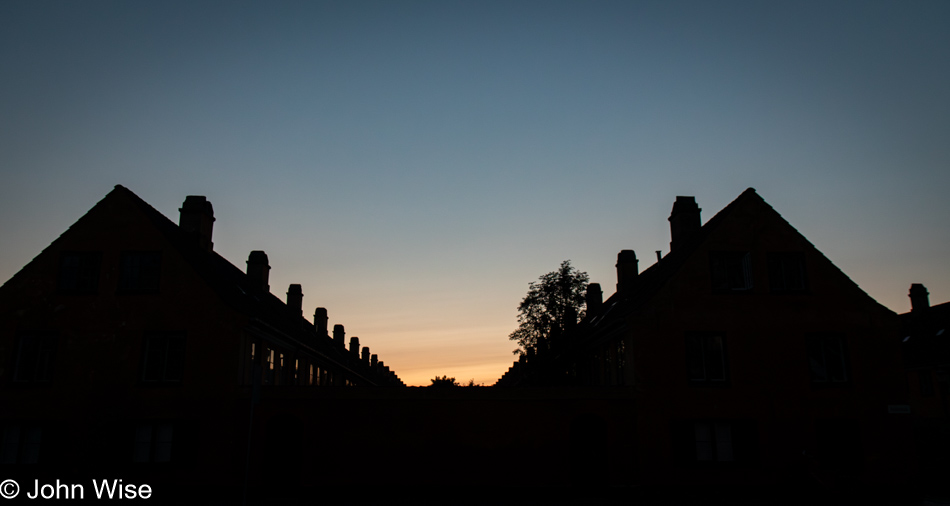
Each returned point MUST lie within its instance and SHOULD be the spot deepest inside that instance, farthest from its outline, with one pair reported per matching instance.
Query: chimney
(355, 346)
(373, 360)
(320, 321)
(196, 219)
(595, 299)
(626, 269)
(339, 336)
(684, 221)
(258, 270)
(295, 299)
(365, 355)
(919, 298)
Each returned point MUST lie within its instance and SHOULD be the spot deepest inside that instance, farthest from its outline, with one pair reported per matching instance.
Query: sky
(415, 164)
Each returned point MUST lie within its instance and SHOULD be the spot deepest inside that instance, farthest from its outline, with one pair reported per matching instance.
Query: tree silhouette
(554, 302)
(443, 381)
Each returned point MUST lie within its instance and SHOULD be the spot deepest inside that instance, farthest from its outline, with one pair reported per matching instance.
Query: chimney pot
(339, 335)
(684, 221)
(258, 270)
(373, 360)
(365, 355)
(196, 218)
(355, 346)
(295, 299)
(320, 320)
(627, 269)
(595, 299)
(919, 298)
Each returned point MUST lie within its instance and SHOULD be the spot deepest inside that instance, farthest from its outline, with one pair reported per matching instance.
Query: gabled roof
(232, 285)
(611, 318)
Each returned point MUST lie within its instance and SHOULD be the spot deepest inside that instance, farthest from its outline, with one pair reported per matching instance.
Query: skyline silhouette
(415, 165)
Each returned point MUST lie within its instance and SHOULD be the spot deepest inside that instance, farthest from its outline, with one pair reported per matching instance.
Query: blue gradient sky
(415, 164)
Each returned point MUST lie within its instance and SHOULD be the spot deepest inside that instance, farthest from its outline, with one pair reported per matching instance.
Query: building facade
(129, 346)
(754, 359)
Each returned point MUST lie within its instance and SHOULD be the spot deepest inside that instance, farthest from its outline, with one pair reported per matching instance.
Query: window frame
(140, 272)
(41, 347)
(782, 265)
(707, 343)
(817, 344)
(153, 450)
(171, 350)
(79, 272)
(723, 265)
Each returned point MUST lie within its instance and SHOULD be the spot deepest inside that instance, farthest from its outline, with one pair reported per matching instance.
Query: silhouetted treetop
(553, 303)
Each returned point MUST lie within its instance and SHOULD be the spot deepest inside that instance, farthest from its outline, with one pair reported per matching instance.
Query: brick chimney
(684, 221)
(595, 299)
(196, 219)
(365, 355)
(295, 299)
(627, 269)
(373, 360)
(355, 346)
(258, 270)
(919, 298)
(320, 320)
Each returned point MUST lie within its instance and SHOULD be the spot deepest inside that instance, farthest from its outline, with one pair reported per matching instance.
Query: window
(705, 358)
(311, 377)
(34, 358)
(153, 443)
(269, 376)
(79, 272)
(20, 444)
(827, 359)
(715, 442)
(140, 271)
(164, 358)
(731, 271)
(787, 272)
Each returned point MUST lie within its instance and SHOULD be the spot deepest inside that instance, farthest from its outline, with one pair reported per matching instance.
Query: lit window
(269, 371)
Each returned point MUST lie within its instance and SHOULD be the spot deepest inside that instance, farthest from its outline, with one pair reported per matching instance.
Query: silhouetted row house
(925, 332)
(752, 358)
(130, 344)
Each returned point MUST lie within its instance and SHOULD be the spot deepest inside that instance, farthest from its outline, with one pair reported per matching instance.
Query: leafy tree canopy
(553, 302)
